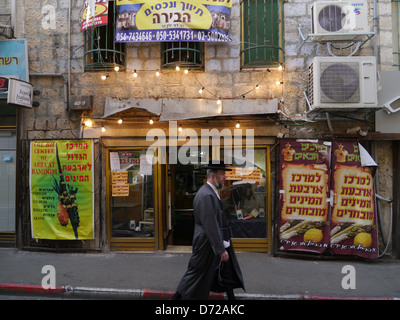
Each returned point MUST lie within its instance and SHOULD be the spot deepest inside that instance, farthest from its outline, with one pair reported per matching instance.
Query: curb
(150, 294)
(29, 289)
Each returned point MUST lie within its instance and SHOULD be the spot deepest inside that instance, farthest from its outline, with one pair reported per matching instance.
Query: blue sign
(7, 158)
(13, 60)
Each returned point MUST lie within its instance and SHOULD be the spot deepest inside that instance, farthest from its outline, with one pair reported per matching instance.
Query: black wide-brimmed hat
(217, 166)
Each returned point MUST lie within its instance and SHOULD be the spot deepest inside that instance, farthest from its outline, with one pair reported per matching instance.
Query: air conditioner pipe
(375, 23)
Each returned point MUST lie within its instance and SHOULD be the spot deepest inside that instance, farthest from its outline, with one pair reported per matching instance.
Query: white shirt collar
(214, 188)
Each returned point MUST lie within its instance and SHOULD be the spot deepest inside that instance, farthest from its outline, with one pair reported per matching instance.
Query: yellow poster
(95, 13)
(61, 188)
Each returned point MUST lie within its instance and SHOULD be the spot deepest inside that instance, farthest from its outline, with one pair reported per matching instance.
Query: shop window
(245, 197)
(100, 50)
(187, 55)
(396, 31)
(262, 33)
(132, 187)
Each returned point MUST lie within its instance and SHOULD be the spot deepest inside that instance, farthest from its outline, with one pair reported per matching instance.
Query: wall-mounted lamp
(88, 123)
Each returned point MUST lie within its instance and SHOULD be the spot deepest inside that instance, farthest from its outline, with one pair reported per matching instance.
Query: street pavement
(155, 275)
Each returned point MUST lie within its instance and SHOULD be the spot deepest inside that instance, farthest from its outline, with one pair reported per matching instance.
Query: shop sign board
(20, 93)
(13, 61)
(61, 187)
(95, 14)
(162, 20)
(3, 85)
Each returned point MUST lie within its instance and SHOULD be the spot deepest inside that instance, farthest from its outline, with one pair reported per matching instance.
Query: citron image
(313, 235)
(363, 239)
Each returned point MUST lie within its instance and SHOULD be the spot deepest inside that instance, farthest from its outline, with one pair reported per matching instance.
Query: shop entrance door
(186, 180)
(7, 188)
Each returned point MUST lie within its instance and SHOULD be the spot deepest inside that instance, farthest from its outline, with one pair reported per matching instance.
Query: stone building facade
(56, 68)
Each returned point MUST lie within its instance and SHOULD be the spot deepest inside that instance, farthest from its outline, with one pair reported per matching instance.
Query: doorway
(7, 188)
(186, 180)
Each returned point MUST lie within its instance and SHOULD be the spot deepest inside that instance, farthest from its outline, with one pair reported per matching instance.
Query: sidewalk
(155, 275)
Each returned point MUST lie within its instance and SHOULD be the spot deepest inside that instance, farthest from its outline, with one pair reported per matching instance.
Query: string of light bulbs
(202, 89)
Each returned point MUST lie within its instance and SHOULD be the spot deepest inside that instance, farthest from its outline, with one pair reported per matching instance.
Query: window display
(132, 188)
(244, 198)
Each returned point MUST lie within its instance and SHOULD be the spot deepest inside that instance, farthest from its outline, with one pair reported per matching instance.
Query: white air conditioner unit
(342, 83)
(339, 20)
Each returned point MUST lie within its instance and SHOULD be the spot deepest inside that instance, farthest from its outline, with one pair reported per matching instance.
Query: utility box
(81, 103)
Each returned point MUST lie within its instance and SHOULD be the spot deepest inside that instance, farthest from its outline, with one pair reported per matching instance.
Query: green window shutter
(262, 33)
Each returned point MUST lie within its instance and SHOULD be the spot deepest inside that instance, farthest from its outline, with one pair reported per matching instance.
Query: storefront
(14, 65)
(149, 206)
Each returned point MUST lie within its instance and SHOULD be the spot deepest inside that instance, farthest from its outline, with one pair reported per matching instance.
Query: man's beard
(218, 184)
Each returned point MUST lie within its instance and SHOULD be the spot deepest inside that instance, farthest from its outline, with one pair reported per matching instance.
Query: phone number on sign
(171, 35)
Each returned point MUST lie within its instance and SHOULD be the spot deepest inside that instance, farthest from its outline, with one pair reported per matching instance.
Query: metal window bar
(262, 36)
(100, 50)
(182, 54)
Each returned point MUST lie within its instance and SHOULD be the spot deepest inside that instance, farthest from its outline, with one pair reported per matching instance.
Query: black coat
(202, 273)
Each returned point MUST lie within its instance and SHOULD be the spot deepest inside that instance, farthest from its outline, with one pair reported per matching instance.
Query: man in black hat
(213, 265)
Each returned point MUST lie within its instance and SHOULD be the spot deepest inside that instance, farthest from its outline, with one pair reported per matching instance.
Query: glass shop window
(244, 197)
(132, 205)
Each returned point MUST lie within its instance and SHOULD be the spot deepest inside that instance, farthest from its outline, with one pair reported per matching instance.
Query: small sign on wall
(20, 93)
(7, 158)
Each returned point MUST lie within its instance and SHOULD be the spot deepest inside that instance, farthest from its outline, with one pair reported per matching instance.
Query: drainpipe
(14, 16)
(69, 52)
(375, 23)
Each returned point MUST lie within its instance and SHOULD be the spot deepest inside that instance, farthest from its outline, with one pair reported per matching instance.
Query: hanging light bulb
(219, 101)
(151, 121)
(177, 68)
(103, 129)
(201, 90)
(88, 123)
(280, 68)
(257, 87)
(116, 68)
(186, 71)
(134, 74)
(180, 128)
(119, 121)
(157, 73)
(104, 77)
(279, 83)
(237, 125)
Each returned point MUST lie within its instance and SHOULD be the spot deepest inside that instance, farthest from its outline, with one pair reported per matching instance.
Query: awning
(181, 109)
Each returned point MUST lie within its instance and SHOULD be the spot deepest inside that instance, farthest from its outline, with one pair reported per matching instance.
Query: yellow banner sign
(159, 20)
(61, 186)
